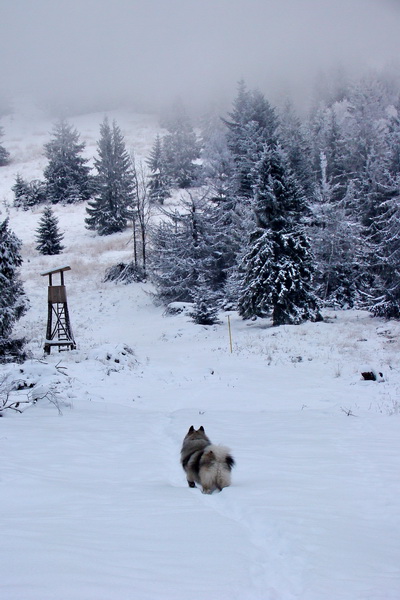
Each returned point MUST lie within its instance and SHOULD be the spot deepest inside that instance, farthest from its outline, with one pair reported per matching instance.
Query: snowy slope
(95, 505)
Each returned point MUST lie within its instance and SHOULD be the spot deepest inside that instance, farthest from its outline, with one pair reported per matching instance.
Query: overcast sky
(151, 51)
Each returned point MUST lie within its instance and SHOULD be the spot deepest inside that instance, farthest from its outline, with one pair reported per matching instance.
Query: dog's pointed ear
(201, 428)
(191, 429)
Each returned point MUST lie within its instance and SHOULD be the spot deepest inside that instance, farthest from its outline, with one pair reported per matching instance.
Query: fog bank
(98, 52)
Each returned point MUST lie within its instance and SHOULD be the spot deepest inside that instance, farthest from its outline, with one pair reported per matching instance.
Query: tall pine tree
(336, 238)
(277, 269)
(112, 206)
(66, 175)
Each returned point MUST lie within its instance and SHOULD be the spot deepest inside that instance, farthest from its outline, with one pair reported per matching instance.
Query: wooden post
(230, 333)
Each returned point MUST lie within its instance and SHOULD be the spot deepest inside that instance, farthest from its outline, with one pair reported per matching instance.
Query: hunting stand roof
(54, 271)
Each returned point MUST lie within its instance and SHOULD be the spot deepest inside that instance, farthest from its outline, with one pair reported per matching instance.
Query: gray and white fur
(205, 463)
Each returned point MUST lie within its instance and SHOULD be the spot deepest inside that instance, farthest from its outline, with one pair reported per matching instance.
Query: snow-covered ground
(94, 503)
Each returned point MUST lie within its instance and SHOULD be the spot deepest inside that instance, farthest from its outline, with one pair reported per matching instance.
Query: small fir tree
(36, 193)
(48, 236)
(28, 193)
(112, 205)
(21, 192)
(205, 305)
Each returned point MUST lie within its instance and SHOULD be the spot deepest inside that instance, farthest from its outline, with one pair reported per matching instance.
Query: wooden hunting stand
(60, 333)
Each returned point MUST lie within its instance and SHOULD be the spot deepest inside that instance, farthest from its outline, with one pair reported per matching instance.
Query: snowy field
(95, 505)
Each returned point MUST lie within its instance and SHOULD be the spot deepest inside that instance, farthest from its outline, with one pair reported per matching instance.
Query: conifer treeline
(305, 212)
(279, 214)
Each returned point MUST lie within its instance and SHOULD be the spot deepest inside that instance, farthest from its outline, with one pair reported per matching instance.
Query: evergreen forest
(261, 209)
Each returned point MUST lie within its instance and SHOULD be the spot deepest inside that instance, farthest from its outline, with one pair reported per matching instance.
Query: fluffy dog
(204, 463)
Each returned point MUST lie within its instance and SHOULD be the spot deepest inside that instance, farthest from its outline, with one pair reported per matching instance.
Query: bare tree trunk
(142, 208)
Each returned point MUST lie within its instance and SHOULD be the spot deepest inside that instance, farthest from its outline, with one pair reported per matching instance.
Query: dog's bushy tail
(215, 468)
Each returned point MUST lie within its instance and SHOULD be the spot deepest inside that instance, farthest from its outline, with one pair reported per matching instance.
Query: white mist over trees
(147, 53)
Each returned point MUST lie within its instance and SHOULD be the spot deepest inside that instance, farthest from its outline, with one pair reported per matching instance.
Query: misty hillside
(96, 502)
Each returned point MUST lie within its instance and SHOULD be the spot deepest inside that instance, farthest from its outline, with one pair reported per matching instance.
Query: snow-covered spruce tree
(239, 223)
(383, 255)
(13, 303)
(336, 239)
(387, 303)
(251, 124)
(355, 135)
(386, 239)
(21, 192)
(376, 190)
(48, 236)
(277, 269)
(159, 185)
(111, 208)
(67, 174)
(37, 193)
(28, 193)
(172, 265)
(180, 149)
(187, 252)
(205, 304)
(4, 154)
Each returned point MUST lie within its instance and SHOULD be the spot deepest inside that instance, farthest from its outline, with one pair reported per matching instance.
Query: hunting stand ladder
(59, 331)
